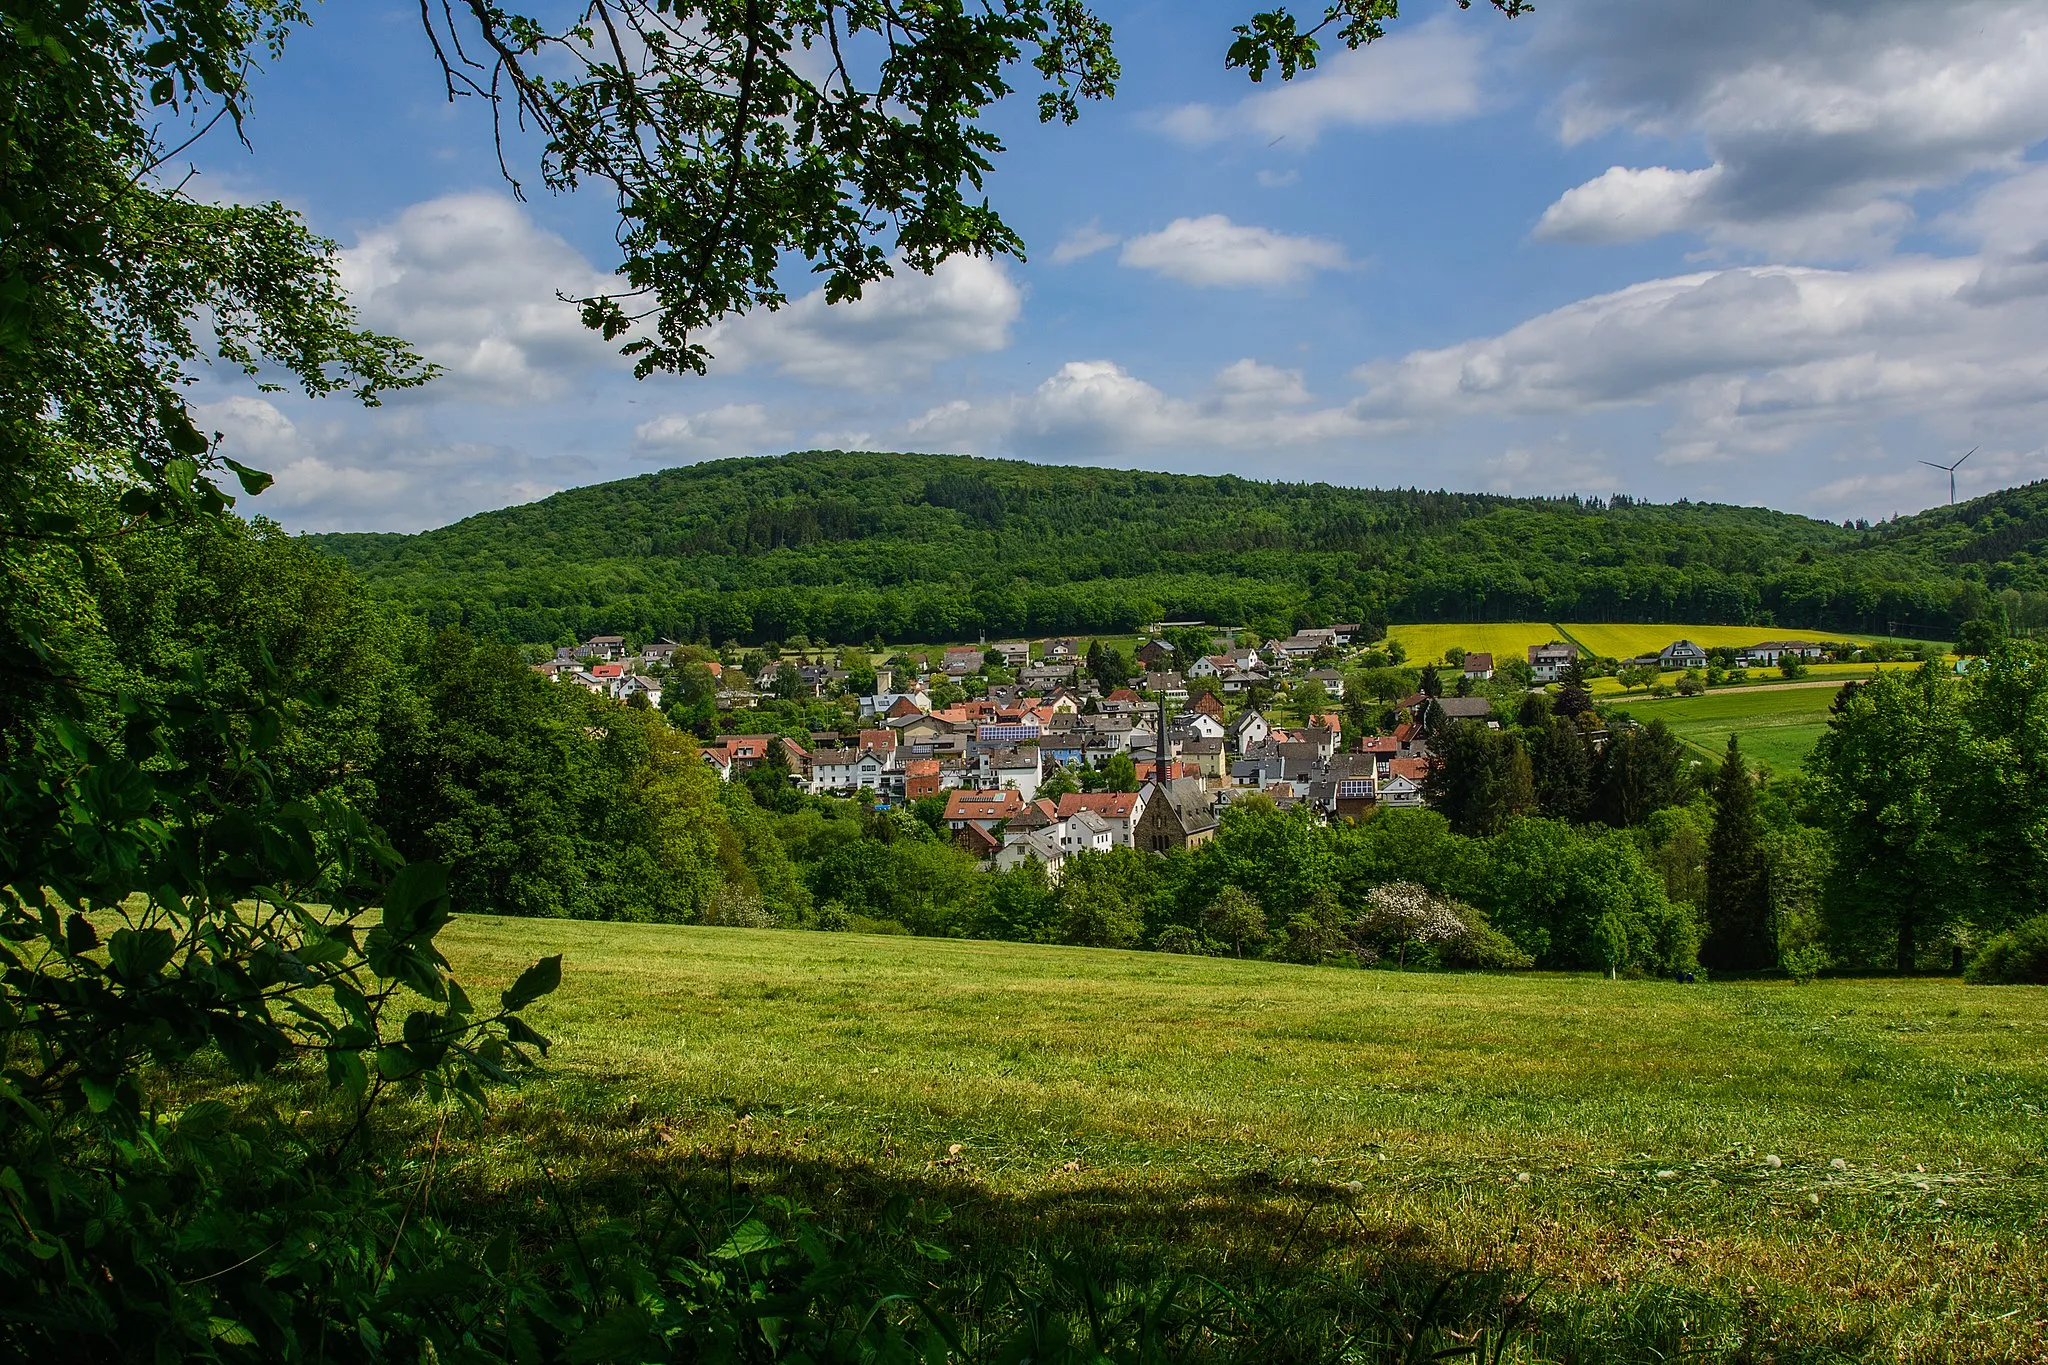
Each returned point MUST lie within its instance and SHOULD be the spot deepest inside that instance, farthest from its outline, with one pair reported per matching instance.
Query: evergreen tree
(1562, 764)
(1739, 932)
(1480, 779)
(1431, 685)
(1644, 769)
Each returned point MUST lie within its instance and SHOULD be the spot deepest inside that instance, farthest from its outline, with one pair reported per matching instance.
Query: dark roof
(1465, 708)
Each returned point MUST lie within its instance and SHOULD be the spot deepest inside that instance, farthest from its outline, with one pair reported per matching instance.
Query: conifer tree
(1738, 883)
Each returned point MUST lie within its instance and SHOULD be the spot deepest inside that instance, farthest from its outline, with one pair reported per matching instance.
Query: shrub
(2017, 957)
(1178, 938)
(738, 909)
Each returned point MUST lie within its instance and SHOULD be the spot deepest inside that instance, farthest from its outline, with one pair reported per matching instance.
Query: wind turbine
(1951, 469)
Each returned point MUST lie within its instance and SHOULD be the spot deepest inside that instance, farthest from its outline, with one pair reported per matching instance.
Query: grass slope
(1201, 1108)
(1779, 726)
(1625, 641)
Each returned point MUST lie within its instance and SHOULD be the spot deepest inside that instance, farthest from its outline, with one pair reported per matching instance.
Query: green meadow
(1779, 726)
(1849, 1169)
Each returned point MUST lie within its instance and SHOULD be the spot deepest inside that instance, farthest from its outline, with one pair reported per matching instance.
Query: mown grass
(1778, 727)
(1604, 1142)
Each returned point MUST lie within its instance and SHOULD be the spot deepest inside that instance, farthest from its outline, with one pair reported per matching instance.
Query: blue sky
(1761, 251)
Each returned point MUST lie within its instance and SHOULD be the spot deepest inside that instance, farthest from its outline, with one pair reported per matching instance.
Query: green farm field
(1779, 725)
(1608, 1145)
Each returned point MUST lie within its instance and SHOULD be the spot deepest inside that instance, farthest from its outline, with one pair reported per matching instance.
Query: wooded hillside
(849, 546)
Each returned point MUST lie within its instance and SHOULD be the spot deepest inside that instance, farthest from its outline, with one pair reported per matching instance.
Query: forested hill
(848, 546)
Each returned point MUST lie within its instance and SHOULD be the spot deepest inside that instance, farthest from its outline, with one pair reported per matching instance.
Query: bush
(2017, 957)
(1178, 938)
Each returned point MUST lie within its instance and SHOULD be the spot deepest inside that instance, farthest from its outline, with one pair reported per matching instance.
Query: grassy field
(1608, 1143)
(1502, 639)
(1623, 642)
(1779, 726)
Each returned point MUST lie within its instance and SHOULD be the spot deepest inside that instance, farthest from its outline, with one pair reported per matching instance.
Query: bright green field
(1779, 727)
(1623, 642)
(1502, 639)
(1606, 1140)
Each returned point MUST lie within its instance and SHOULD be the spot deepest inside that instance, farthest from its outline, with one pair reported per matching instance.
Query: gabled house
(1200, 725)
(1064, 650)
(1247, 732)
(1681, 654)
(1770, 653)
(1479, 667)
(1016, 653)
(659, 653)
(844, 771)
(1153, 653)
(1122, 702)
(1332, 681)
(1016, 769)
(961, 661)
(981, 808)
(1040, 845)
(1169, 685)
(1207, 703)
(1547, 663)
(1118, 810)
(1402, 788)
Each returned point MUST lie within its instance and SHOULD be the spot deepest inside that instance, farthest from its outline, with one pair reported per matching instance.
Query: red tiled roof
(903, 706)
(962, 804)
(1108, 805)
(1414, 769)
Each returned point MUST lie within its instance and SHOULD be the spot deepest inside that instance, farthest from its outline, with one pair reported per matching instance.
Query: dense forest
(850, 546)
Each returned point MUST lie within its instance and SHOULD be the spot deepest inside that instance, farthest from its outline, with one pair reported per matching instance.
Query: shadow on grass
(1251, 1268)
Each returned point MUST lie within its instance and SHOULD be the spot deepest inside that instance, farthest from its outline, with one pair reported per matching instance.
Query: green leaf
(79, 935)
(538, 980)
(137, 955)
(415, 887)
(253, 481)
(748, 1238)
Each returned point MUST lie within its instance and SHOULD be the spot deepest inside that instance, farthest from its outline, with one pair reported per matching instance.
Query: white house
(1037, 845)
(846, 770)
(1200, 724)
(1248, 731)
(1547, 663)
(1018, 769)
(1770, 653)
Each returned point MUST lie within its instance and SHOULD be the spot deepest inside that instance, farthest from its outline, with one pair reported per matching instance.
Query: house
(846, 771)
(1207, 704)
(1402, 788)
(1041, 676)
(1061, 651)
(977, 842)
(961, 661)
(1040, 845)
(1118, 810)
(1169, 685)
(1332, 681)
(1547, 663)
(1464, 708)
(1122, 702)
(1016, 653)
(1681, 654)
(982, 808)
(1175, 815)
(606, 647)
(1086, 832)
(1770, 653)
(1201, 725)
(1345, 634)
(1153, 653)
(1209, 666)
(997, 732)
(659, 653)
(1348, 787)
(920, 778)
(1478, 667)
(1305, 644)
(1205, 756)
(1017, 770)
(1248, 731)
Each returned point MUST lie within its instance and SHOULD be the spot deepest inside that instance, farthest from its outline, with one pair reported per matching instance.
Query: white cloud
(1821, 120)
(473, 283)
(1083, 242)
(1425, 74)
(894, 334)
(1212, 251)
(1751, 359)
(388, 470)
(1094, 408)
(731, 429)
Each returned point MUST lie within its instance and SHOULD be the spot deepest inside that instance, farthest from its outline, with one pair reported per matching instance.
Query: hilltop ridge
(851, 545)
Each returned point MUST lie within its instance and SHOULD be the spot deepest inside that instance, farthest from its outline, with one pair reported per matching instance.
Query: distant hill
(848, 546)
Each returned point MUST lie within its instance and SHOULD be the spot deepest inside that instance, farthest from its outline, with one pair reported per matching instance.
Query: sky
(1769, 252)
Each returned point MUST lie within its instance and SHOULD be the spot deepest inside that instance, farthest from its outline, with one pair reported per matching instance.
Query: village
(1046, 762)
